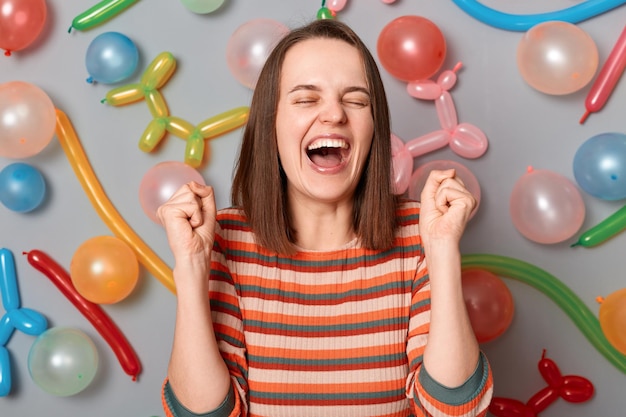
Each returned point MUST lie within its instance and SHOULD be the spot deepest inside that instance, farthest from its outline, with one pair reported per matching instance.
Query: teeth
(328, 143)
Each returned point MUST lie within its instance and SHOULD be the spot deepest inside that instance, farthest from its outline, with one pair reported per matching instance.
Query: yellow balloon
(104, 270)
(159, 71)
(126, 94)
(108, 213)
(612, 318)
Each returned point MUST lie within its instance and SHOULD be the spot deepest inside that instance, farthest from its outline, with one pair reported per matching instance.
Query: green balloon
(570, 303)
(324, 13)
(202, 6)
(63, 361)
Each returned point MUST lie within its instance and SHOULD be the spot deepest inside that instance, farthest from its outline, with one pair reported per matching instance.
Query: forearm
(197, 373)
(451, 353)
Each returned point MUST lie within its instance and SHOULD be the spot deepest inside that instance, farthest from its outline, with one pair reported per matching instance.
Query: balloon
(8, 281)
(600, 166)
(99, 13)
(63, 361)
(606, 229)
(605, 82)
(22, 187)
(21, 23)
(546, 207)
(26, 120)
(154, 77)
(161, 181)
(104, 270)
(111, 57)
(419, 176)
(5, 372)
(411, 48)
(325, 13)
(93, 312)
(105, 209)
(563, 296)
(402, 165)
(575, 66)
(613, 319)
(571, 388)
(336, 5)
(464, 139)
(202, 6)
(249, 46)
(23, 319)
(489, 304)
(574, 14)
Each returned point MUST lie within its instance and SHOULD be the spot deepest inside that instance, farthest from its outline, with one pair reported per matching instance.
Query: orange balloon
(104, 270)
(557, 57)
(489, 303)
(612, 317)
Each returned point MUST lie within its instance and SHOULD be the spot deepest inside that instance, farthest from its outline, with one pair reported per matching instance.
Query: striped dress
(337, 333)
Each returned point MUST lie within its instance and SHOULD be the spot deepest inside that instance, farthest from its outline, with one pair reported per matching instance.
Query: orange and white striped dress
(337, 333)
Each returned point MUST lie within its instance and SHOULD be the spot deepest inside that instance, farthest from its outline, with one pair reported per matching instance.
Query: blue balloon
(22, 187)
(111, 57)
(8, 280)
(600, 166)
(5, 372)
(28, 321)
(522, 23)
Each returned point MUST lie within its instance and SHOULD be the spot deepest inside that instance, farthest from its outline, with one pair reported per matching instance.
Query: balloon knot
(529, 168)
(7, 53)
(599, 299)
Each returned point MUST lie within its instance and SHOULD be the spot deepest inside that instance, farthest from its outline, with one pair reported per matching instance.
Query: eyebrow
(313, 87)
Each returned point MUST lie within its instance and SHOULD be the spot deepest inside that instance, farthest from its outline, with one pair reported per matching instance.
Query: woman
(326, 297)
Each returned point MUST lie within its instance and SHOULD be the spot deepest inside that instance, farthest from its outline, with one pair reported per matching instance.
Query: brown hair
(260, 186)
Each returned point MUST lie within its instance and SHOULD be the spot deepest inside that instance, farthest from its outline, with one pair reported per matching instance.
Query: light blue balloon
(600, 166)
(111, 57)
(8, 280)
(22, 187)
(521, 23)
(5, 372)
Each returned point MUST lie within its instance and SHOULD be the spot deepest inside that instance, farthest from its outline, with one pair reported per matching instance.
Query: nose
(333, 112)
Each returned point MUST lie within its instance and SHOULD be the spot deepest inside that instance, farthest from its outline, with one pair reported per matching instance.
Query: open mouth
(328, 153)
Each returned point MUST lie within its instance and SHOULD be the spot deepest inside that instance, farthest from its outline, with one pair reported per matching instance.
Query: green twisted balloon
(564, 297)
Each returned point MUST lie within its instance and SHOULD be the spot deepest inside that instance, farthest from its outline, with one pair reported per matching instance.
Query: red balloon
(411, 48)
(489, 303)
(541, 400)
(576, 389)
(21, 22)
(93, 312)
(509, 407)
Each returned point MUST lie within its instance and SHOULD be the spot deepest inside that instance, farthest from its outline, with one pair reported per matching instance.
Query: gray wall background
(524, 127)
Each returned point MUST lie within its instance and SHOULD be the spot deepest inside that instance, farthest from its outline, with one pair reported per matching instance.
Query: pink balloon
(249, 46)
(411, 48)
(402, 165)
(161, 181)
(21, 22)
(489, 304)
(336, 5)
(418, 179)
(27, 120)
(577, 57)
(546, 207)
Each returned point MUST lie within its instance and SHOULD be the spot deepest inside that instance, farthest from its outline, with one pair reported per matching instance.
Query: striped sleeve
(427, 396)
